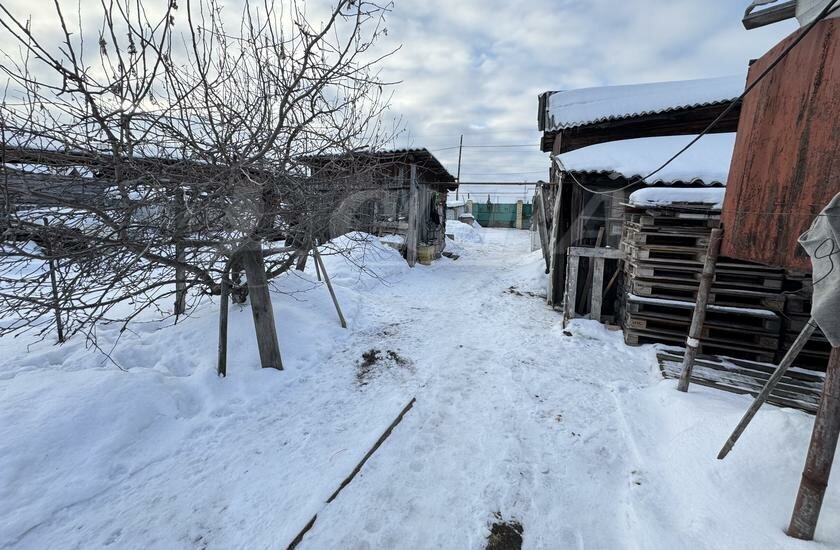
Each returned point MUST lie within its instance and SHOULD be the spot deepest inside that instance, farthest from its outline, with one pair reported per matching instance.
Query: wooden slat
(597, 289)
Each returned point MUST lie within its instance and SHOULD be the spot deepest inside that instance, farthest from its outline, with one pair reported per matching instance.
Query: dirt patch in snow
(516, 292)
(374, 362)
(505, 535)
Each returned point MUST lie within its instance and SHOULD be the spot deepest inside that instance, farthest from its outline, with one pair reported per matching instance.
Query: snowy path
(502, 425)
(573, 435)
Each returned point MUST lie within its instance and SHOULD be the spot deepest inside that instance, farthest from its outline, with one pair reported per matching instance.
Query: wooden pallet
(798, 304)
(738, 351)
(642, 236)
(695, 221)
(724, 276)
(719, 296)
(713, 330)
(664, 254)
(683, 311)
(674, 229)
(796, 389)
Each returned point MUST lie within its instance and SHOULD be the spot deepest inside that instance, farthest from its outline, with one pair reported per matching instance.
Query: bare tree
(149, 156)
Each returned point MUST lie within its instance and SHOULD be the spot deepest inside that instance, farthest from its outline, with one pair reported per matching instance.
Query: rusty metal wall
(786, 164)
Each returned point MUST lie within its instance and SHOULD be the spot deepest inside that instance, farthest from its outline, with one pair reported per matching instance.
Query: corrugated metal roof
(421, 156)
(705, 163)
(573, 108)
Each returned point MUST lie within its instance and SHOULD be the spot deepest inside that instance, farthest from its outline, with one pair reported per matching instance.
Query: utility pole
(458, 177)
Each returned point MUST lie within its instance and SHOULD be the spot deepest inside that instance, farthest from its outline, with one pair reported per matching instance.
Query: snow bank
(464, 233)
(570, 108)
(360, 260)
(667, 196)
(707, 161)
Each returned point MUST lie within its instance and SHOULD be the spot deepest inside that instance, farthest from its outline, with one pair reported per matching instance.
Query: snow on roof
(567, 109)
(669, 196)
(705, 162)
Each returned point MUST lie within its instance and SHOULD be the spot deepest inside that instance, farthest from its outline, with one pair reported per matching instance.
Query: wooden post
(554, 290)
(806, 510)
(541, 228)
(570, 298)
(413, 206)
(261, 307)
(787, 361)
(519, 208)
(317, 267)
(699, 317)
(59, 324)
(587, 294)
(224, 305)
(180, 255)
(320, 261)
(597, 289)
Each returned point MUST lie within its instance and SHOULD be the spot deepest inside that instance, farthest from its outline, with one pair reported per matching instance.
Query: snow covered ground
(571, 433)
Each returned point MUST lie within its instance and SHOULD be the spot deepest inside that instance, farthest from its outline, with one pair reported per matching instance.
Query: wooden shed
(603, 138)
(398, 192)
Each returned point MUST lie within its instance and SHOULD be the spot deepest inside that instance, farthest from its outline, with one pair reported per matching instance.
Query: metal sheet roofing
(706, 162)
(572, 108)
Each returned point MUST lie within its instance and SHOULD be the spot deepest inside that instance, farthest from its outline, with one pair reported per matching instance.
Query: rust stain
(786, 163)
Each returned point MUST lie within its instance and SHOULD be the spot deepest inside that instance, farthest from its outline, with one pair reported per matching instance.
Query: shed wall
(786, 163)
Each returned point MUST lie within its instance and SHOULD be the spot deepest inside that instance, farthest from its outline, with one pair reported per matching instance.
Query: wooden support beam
(806, 510)
(180, 255)
(319, 262)
(59, 323)
(555, 292)
(542, 229)
(586, 295)
(597, 289)
(570, 298)
(224, 305)
(699, 317)
(787, 361)
(411, 235)
(767, 16)
(261, 307)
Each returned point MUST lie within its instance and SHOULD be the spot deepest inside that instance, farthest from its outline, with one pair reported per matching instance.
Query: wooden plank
(570, 298)
(761, 17)
(597, 289)
(411, 235)
(711, 332)
(721, 296)
(684, 273)
(224, 305)
(261, 308)
(693, 340)
(682, 315)
(587, 282)
(589, 252)
(705, 347)
(768, 388)
(555, 262)
(826, 432)
(319, 262)
(704, 376)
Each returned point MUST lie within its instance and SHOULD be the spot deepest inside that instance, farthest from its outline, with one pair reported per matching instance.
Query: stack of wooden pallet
(749, 321)
(798, 292)
(665, 249)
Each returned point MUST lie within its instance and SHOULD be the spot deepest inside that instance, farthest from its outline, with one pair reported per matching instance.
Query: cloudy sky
(476, 66)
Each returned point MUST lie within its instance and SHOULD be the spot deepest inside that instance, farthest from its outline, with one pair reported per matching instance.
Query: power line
(823, 14)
